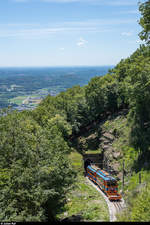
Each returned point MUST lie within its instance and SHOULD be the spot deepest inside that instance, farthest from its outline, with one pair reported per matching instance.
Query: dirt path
(114, 207)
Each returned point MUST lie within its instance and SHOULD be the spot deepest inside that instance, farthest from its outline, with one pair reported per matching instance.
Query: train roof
(102, 174)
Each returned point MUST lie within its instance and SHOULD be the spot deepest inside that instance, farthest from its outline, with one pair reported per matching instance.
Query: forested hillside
(35, 172)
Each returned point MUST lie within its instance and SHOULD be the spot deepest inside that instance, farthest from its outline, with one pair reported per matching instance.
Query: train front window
(111, 183)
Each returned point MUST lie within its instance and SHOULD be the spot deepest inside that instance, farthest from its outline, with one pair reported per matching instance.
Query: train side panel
(101, 178)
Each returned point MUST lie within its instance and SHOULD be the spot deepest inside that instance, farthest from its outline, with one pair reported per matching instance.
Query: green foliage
(74, 104)
(133, 75)
(82, 199)
(101, 95)
(34, 170)
(70, 105)
(4, 177)
(137, 199)
(61, 123)
(144, 9)
(130, 156)
(141, 206)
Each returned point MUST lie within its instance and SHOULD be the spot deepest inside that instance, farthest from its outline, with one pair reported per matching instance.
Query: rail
(114, 207)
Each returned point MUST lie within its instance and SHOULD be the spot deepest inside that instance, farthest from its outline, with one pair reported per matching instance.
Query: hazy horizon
(57, 66)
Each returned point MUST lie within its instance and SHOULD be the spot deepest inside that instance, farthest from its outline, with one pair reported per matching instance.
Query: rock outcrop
(110, 154)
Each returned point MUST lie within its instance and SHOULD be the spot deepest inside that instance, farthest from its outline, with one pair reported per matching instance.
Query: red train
(106, 183)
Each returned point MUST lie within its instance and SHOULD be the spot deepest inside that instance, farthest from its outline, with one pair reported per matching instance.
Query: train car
(106, 183)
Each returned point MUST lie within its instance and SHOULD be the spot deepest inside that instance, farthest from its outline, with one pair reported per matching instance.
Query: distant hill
(20, 82)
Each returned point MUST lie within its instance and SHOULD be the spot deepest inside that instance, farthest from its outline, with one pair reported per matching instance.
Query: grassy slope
(134, 191)
(83, 199)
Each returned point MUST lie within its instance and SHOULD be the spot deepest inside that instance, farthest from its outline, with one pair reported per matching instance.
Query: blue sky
(67, 32)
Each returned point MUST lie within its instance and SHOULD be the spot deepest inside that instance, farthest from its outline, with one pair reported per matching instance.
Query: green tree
(101, 95)
(144, 8)
(38, 171)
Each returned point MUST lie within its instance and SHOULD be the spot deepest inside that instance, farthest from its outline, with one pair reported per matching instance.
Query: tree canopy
(34, 169)
(144, 8)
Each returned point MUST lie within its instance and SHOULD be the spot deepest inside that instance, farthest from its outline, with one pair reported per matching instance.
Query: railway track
(118, 206)
(114, 207)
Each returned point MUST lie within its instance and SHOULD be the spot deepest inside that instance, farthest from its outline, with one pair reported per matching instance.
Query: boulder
(106, 142)
(116, 154)
(116, 166)
(108, 136)
(102, 139)
(105, 147)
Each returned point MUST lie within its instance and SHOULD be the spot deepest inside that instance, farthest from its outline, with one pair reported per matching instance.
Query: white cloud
(62, 1)
(98, 2)
(21, 0)
(132, 12)
(35, 30)
(81, 42)
(127, 33)
(121, 2)
(128, 12)
(62, 49)
(30, 33)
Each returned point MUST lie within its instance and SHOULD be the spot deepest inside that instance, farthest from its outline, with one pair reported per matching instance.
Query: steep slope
(83, 203)
(111, 137)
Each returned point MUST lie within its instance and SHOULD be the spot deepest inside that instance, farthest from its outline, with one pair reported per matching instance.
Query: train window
(100, 180)
(111, 183)
(91, 172)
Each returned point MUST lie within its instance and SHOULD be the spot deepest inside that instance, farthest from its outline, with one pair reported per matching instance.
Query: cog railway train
(104, 180)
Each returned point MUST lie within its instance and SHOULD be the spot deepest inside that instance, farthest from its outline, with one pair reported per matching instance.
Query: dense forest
(35, 172)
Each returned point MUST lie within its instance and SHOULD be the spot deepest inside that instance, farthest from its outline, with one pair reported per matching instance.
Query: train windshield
(111, 183)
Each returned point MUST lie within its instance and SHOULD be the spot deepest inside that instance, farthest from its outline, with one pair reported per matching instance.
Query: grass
(83, 199)
(18, 100)
(77, 161)
(98, 151)
(137, 197)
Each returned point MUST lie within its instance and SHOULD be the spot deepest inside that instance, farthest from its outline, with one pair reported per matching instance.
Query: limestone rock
(108, 136)
(120, 175)
(105, 147)
(116, 154)
(106, 142)
(102, 139)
